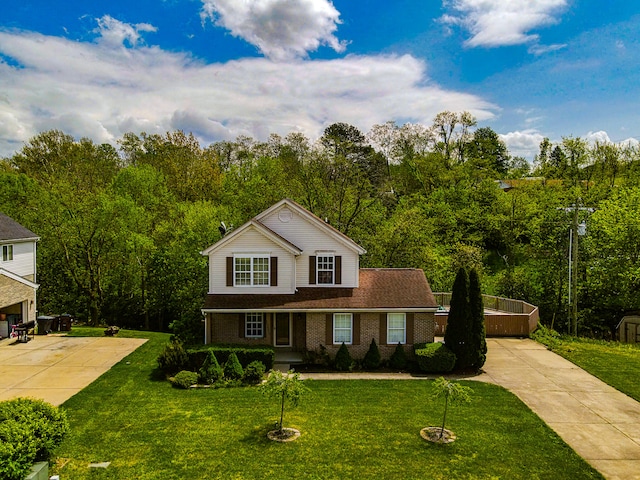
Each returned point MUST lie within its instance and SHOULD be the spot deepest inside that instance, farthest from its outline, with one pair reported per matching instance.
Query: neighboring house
(17, 274)
(288, 279)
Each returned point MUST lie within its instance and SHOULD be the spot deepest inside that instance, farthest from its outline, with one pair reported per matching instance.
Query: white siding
(23, 263)
(311, 239)
(254, 242)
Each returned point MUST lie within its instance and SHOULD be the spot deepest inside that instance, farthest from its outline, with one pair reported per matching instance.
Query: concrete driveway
(54, 368)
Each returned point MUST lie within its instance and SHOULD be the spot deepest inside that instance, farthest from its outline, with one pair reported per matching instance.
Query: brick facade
(14, 294)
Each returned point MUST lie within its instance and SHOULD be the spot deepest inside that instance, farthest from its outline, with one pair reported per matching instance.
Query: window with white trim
(325, 267)
(342, 328)
(396, 328)
(251, 271)
(254, 325)
(7, 253)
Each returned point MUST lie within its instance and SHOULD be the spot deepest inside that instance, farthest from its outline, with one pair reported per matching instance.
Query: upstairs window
(251, 271)
(7, 253)
(325, 269)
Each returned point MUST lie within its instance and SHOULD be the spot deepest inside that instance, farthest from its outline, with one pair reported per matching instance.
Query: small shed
(629, 329)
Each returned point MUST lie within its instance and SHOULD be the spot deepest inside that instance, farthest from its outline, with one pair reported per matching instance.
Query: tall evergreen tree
(457, 335)
(478, 342)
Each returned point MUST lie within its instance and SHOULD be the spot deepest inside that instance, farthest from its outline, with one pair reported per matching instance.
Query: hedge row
(246, 355)
(29, 431)
(434, 357)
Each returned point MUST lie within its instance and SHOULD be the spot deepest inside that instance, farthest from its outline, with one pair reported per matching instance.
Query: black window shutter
(383, 329)
(410, 325)
(229, 271)
(338, 266)
(329, 328)
(355, 340)
(241, 329)
(274, 271)
(312, 270)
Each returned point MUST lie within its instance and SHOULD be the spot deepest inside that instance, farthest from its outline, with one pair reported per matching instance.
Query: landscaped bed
(349, 429)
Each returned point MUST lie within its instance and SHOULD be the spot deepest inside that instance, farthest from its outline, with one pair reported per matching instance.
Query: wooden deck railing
(503, 317)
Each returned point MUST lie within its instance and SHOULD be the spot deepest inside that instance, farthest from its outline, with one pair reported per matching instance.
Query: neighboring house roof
(274, 236)
(12, 230)
(334, 232)
(380, 289)
(18, 278)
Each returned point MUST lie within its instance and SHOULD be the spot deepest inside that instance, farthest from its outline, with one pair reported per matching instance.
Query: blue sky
(529, 69)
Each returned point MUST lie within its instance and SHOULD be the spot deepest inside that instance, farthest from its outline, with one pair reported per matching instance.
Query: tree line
(122, 226)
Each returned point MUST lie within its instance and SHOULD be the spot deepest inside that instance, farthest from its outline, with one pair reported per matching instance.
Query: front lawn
(350, 429)
(615, 363)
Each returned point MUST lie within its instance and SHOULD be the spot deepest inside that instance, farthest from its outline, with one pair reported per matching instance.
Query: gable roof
(12, 230)
(277, 238)
(18, 278)
(264, 230)
(315, 220)
(380, 289)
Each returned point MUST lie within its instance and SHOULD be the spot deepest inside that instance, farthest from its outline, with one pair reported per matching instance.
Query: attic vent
(285, 215)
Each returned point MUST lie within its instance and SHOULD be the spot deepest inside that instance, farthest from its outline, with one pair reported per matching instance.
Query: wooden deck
(503, 317)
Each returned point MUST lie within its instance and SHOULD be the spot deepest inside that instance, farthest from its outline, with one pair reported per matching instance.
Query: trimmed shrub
(246, 354)
(30, 430)
(478, 342)
(457, 336)
(17, 450)
(211, 371)
(434, 357)
(343, 361)
(398, 360)
(232, 368)
(184, 379)
(173, 357)
(372, 359)
(254, 373)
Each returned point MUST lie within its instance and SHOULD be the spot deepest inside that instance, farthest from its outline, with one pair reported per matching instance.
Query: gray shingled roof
(12, 230)
(384, 288)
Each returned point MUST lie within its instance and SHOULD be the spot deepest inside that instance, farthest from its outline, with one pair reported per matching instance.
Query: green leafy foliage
(398, 359)
(232, 368)
(254, 373)
(211, 371)
(285, 387)
(478, 341)
(434, 357)
(30, 430)
(184, 379)
(452, 392)
(173, 357)
(246, 354)
(372, 358)
(343, 361)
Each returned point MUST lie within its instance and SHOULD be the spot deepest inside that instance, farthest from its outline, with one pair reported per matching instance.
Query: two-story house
(17, 274)
(288, 279)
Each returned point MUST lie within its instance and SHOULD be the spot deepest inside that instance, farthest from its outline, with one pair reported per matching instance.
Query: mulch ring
(284, 435)
(437, 435)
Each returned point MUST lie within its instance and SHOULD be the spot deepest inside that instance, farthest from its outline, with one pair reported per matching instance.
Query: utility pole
(574, 270)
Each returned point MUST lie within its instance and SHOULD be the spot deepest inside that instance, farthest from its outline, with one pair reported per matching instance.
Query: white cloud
(102, 90)
(281, 29)
(600, 137)
(494, 23)
(525, 143)
(115, 32)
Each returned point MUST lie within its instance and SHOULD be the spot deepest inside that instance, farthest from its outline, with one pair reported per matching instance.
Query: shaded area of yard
(615, 363)
(350, 429)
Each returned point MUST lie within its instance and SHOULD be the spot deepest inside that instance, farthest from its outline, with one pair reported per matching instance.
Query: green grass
(350, 429)
(615, 363)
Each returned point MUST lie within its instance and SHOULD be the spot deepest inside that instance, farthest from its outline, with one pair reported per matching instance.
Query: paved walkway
(601, 424)
(54, 368)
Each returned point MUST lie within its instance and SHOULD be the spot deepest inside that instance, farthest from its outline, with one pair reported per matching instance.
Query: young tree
(284, 387)
(452, 392)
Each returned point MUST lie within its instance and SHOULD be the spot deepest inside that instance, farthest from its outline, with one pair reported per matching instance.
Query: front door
(283, 330)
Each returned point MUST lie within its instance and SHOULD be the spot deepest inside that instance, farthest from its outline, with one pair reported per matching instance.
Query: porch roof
(385, 288)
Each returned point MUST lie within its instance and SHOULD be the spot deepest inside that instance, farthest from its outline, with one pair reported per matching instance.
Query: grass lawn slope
(350, 429)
